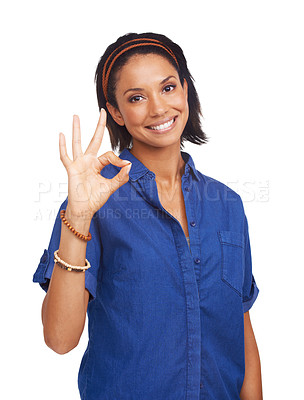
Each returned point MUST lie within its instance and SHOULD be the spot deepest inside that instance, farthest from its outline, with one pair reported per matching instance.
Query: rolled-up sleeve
(45, 267)
(250, 289)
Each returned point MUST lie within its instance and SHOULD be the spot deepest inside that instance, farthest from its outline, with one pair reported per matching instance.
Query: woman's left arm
(252, 385)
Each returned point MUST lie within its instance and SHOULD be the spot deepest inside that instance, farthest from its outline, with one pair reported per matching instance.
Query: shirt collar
(138, 169)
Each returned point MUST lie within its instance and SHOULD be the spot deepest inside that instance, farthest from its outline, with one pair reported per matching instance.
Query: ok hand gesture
(88, 191)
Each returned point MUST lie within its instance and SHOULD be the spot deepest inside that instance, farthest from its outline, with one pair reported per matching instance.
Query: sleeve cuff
(44, 271)
(248, 302)
(40, 274)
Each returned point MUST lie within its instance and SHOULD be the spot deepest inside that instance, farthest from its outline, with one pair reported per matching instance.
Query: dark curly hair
(119, 135)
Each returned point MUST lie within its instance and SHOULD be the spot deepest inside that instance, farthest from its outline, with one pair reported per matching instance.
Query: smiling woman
(165, 249)
(122, 52)
(158, 107)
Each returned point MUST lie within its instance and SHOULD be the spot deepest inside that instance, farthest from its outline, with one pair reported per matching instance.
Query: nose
(158, 105)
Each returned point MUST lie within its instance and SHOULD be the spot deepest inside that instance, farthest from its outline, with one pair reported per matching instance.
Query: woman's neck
(166, 163)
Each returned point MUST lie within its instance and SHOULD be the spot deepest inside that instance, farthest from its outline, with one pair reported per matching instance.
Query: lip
(157, 131)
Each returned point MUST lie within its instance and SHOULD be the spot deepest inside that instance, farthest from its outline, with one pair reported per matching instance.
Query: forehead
(143, 69)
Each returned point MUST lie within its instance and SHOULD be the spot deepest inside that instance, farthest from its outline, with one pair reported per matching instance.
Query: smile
(164, 126)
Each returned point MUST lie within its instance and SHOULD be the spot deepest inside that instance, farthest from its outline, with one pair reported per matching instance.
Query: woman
(165, 250)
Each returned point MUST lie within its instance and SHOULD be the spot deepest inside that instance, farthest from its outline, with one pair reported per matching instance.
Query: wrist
(80, 221)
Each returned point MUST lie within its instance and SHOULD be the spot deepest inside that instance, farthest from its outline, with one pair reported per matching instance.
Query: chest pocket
(232, 259)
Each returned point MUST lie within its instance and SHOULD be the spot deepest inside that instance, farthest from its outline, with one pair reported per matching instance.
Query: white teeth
(162, 126)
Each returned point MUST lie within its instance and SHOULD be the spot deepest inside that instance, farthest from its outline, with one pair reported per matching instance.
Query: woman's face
(152, 103)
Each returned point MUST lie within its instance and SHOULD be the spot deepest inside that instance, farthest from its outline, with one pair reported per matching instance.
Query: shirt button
(192, 223)
(187, 189)
(197, 260)
(201, 384)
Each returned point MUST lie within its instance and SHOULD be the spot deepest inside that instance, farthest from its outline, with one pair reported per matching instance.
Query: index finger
(96, 140)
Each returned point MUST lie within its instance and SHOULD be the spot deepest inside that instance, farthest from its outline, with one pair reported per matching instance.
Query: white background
(247, 60)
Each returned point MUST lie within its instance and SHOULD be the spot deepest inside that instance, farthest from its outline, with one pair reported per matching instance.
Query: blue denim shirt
(165, 319)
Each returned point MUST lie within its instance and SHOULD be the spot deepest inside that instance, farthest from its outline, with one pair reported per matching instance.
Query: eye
(169, 88)
(135, 99)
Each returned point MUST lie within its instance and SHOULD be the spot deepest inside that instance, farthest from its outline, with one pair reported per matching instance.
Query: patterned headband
(145, 42)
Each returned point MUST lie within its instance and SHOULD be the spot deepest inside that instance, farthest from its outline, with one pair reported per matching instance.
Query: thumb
(121, 178)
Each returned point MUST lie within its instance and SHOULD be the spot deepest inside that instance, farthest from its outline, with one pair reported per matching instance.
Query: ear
(115, 114)
(185, 87)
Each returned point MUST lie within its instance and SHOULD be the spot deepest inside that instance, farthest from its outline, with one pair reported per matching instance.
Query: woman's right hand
(88, 191)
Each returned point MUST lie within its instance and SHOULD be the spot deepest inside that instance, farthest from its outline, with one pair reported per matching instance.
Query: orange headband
(148, 42)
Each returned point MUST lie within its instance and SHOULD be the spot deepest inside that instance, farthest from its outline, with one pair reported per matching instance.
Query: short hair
(119, 135)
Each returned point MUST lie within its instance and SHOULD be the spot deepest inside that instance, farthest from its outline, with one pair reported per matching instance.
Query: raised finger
(76, 139)
(96, 140)
(66, 161)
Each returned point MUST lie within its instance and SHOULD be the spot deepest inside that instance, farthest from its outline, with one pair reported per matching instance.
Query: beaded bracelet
(80, 235)
(70, 267)
(67, 268)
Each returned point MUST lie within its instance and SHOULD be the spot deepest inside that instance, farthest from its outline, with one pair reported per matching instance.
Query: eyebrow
(139, 89)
